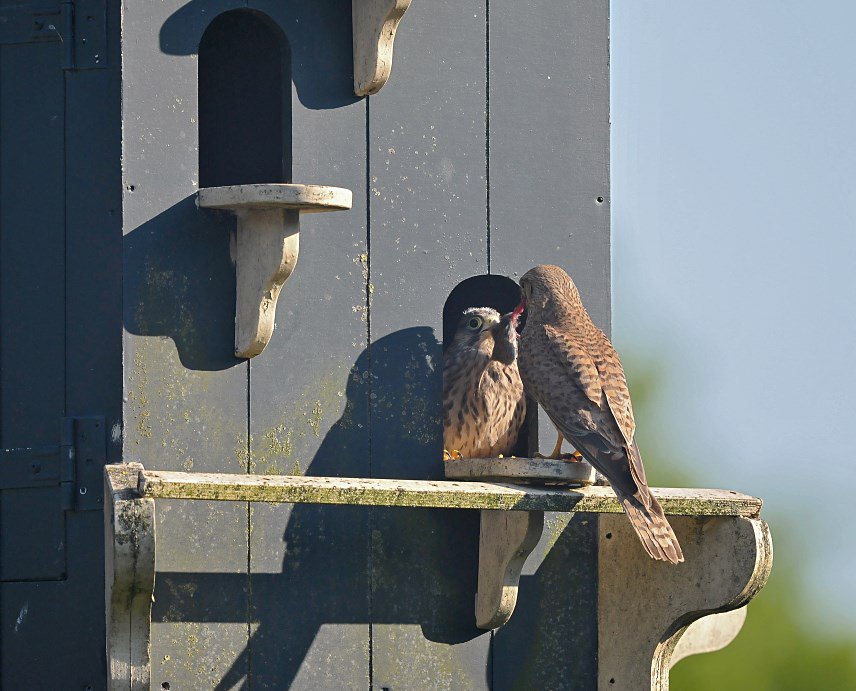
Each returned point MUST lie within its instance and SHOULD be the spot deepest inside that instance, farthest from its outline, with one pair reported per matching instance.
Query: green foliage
(777, 650)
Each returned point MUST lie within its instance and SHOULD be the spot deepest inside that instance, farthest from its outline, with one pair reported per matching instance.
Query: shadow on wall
(352, 565)
(318, 32)
(180, 283)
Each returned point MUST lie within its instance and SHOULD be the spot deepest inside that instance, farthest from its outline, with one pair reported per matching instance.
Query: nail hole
(612, 681)
(599, 200)
(165, 685)
(131, 188)
(609, 536)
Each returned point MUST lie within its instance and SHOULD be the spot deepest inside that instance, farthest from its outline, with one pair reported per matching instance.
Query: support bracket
(728, 560)
(129, 578)
(268, 242)
(506, 539)
(375, 23)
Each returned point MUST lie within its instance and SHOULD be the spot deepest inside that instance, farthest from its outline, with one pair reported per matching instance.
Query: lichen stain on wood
(434, 494)
(274, 451)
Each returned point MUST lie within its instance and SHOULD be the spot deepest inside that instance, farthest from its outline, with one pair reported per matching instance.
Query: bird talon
(454, 454)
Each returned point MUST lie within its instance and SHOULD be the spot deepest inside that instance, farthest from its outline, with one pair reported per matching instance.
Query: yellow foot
(574, 457)
(453, 454)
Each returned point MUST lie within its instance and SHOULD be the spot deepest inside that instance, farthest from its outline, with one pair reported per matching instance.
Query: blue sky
(734, 256)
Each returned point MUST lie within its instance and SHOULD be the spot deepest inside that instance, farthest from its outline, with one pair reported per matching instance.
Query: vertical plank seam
(65, 138)
(491, 641)
(249, 543)
(487, 124)
(370, 517)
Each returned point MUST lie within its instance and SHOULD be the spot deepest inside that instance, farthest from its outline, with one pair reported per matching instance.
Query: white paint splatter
(21, 616)
(116, 432)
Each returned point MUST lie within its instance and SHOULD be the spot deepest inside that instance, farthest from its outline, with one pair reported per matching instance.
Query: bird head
(476, 326)
(545, 287)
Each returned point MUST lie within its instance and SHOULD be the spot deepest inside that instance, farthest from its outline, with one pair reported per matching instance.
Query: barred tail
(653, 529)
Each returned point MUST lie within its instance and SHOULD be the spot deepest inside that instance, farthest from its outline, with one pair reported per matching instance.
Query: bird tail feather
(653, 529)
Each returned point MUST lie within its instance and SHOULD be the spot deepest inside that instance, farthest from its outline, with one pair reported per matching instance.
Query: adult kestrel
(569, 366)
(483, 401)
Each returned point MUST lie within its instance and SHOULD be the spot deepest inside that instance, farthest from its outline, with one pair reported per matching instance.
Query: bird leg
(454, 454)
(557, 451)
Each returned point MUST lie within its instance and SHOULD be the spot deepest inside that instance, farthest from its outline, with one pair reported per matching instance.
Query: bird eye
(474, 323)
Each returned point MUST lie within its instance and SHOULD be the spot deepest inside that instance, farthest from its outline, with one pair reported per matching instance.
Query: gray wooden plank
(186, 395)
(32, 290)
(428, 231)
(549, 203)
(549, 142)
(308, 395)
(550, 642)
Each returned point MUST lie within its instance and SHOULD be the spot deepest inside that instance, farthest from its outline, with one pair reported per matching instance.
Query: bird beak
(515, 315)
(490, 322)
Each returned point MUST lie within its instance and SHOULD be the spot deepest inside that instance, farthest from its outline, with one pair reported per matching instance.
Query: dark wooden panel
(52, 632)
(186, 395)
(309, 388)
(549, 203)
(32, 293)
(32, 233)
(428, 231)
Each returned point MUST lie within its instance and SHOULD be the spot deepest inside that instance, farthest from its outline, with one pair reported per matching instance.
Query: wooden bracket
(268, 243)
(506, 539)
(642, 620)
(374, 24)
(129, 578)
(713, 632)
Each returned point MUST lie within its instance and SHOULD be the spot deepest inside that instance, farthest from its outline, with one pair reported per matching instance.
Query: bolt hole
(83, 490)
(599, 200)
(131, 188)
(609, 536)
(165, 685)
(612, 681)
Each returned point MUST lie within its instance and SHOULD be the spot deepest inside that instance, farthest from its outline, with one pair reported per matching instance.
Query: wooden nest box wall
(157, 159)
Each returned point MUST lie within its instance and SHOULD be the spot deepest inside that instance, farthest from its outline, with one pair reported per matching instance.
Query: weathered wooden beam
(129, 578)
(161, 484)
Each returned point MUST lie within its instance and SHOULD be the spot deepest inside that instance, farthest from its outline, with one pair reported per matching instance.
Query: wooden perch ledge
(161, 484)
(671, 612)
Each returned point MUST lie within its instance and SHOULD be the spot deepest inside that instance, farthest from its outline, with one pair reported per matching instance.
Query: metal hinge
(80, 25)
(76, 464)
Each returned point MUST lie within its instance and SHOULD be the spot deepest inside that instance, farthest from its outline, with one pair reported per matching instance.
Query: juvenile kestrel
(483, 401)
(569, 366)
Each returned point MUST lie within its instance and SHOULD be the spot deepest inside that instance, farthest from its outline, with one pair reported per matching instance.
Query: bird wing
(577, 401)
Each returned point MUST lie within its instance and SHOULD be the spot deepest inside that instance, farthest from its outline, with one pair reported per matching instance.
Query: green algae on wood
(429, 494)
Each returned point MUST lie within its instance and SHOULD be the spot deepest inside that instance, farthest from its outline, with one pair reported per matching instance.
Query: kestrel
(569, 366)
(483, 401)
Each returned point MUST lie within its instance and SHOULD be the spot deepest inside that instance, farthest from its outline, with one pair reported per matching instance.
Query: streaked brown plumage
(483, 401)
(569, 366)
